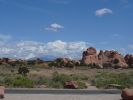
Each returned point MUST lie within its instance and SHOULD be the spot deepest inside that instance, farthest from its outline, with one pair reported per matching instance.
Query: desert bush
(5, 80)
(58, 80)
(2, 80)
(52, 64)
(56, 85)
(62, 78)
(43, 80)
(81, 85)
(70, 64)
(23, 71)
(79, 77)
(93, 65)
(22, 82)
(104, 79)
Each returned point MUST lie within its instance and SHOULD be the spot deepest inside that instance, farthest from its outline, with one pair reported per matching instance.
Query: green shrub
(70, 64)
(104, 79)
(62, 78)
(23, 71)
(5, 80)
(58, 80)
(79, 77)
(42, 80)
(81, 85)
(22, 82)
(2, 80)
(56, 85)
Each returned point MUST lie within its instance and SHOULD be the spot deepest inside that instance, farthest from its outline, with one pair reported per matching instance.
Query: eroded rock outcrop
(129, 60)
(90, 56)
(112, 58)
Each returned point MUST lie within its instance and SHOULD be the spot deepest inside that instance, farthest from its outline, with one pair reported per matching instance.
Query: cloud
(4, 38)
(59, 45)
(122, 51)
(54, 27)
(31, 49)
(103, 11)
(130, 46)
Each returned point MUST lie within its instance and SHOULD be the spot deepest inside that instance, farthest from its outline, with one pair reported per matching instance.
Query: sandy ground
(61, 97)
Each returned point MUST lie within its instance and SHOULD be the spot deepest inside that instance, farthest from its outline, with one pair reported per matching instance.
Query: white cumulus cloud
(103, 11)
(54, 27)
(31, 49)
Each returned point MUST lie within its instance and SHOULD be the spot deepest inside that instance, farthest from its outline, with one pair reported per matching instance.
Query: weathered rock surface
(90, 56)
(112, 57)
(127, 94)
(129, 59)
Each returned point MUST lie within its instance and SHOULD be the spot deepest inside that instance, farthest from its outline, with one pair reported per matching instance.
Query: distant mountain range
(48, 58)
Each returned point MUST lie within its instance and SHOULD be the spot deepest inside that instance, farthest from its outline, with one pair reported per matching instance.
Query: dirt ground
(86, 72)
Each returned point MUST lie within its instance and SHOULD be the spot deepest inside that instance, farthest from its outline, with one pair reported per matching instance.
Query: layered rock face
(90, 56)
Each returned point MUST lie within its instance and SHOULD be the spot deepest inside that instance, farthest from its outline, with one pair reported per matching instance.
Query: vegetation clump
(22, 82)
(102, 80)
(23, 71)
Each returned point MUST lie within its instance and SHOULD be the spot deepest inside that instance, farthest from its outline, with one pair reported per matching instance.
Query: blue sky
(34, 28)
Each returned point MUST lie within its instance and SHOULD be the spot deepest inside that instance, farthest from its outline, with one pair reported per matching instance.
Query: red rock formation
(121, 61)
(103, 56)
(112, 57)
(90, 56)
(129, 59)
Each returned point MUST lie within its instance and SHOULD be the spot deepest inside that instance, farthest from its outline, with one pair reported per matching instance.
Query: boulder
(2, 89)
(127, 94)
(71, 85)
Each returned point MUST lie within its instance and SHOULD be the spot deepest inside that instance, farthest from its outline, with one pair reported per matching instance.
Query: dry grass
(86, 72)
(41, 71)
